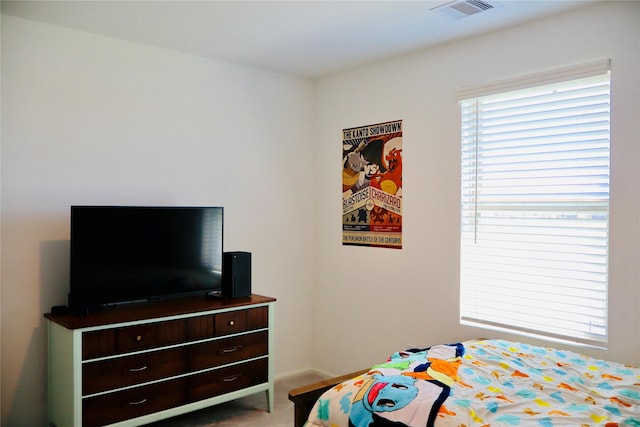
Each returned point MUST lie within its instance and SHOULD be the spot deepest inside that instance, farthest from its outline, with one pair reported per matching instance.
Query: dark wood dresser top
(153, 309)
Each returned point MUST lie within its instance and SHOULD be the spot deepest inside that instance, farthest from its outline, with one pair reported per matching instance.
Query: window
(535, 204)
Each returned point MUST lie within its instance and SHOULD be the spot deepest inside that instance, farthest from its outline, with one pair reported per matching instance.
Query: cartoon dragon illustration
(390, 181)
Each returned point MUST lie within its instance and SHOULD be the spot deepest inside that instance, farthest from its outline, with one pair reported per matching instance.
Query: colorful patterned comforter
(493, 383)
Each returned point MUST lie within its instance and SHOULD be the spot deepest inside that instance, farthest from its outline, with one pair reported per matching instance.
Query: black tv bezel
(81, 302)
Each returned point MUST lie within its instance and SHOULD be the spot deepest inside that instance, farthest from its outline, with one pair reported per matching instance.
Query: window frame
(566, 74)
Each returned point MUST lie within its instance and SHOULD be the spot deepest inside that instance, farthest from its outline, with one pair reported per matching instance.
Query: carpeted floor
(250, 411)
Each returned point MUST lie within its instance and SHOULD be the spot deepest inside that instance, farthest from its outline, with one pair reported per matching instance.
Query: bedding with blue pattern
(486, 383)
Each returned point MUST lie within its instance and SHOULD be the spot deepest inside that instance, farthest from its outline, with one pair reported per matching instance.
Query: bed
(494, 383)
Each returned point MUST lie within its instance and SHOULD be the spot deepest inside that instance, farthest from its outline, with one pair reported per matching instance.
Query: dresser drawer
(226, 380)
(126, 339)
(118, 406)
(227, 350)
(233, 322)
(130, 370)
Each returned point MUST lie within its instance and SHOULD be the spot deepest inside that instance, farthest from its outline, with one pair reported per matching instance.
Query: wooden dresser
(139, 363)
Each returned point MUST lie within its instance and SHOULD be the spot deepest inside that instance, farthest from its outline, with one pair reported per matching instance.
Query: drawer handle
(231, 378)
(142, 368)
(231, 349)
(139, 402)
(232, 322)
(139, 338)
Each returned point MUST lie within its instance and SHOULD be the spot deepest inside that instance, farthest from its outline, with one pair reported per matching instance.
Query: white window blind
(535, 208)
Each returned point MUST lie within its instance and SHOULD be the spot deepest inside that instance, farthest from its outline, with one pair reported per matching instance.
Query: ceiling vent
(462, 8)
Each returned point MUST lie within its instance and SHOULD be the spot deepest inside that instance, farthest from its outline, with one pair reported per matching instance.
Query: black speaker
(236, 274)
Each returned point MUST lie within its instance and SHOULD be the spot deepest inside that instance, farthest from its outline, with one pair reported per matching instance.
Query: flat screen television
(123, 254)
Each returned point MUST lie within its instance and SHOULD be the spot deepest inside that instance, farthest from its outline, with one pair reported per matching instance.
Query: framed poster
(372, 185)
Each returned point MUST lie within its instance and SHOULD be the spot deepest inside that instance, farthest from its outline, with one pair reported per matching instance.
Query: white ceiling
(309, 39)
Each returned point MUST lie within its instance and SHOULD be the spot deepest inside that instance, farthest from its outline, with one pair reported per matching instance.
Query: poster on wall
(372, 185)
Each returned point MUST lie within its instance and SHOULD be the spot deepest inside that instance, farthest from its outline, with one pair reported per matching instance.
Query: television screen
(130, 253)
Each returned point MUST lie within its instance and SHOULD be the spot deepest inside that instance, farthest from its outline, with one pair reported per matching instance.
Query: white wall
(93, 120)
(370, 302)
